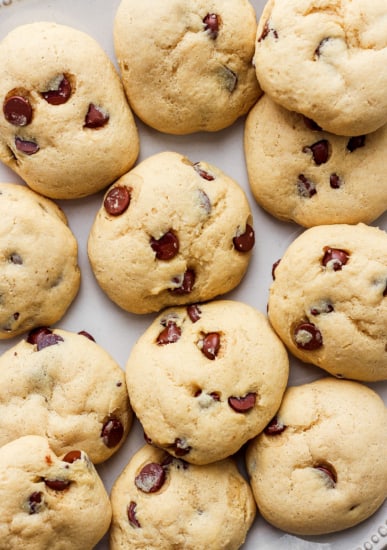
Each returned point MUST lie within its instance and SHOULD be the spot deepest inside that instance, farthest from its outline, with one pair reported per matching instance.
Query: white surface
(117, 330)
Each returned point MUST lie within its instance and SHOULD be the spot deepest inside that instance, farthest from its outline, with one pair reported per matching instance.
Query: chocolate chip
(210, 344)
(230, 79)
(117, 200)
(112, 432)
(194, 312)
(72, 456)
(16, 259)
(86, 335)
(169, 335)
(95, 117)
(325, 307)
(151, 478)
(311, 124)
(166, 247)
(335, 181)
(385, 291)
(43, 337)
(319, 48)
(57, 484)
(266, 31)
(319, 150)
(203, 173)
(26, 147)
(355, 143)
(275, 427)
(180, 447)
(329, 473)
(243, 404)
(334, 258)
(131, 511)
(186, 283)
(305, 187)
(307, 336)
(273, 268)
(211, 24)
(35, 501)
(60, 94)
(245, 241)
(17, 110)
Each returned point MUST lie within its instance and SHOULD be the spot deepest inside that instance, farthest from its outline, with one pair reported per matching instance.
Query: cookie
(205, 379)
(328, 300)
(297, 172)
(65, 124)
(320, 466)
(38, 261)
(48, 501)
(171, 232)
(160, 502)
(187, 66)
(327, 61)
(64, 386)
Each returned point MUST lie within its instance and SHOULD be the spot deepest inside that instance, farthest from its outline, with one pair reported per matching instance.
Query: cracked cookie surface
(326, 60)
(319, 467)
(328, 300)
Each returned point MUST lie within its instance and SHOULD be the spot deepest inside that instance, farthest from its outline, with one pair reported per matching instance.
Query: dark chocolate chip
(35, 501)
(334, 258)
(26, 147)
(307, 336)
(245, 242)
(211, 24)
(355, 143)
(274, 267)
(60, 95)
(86, 335)
(186, 284)
(335, 181)
(16, 259)
(243, 404)
(329, 473)
(151, 478)
(72, 456)
(319, 150)
(194, 312)
(180, 447)
(323, 308)
(95, 117)
(17, 110)
(43, 337)
(306, 188)
(266, 31)
(385, 291)
(57, 484)
(117, 200)
(131, 511)
(275, 427)
(203, 173)
(169, 335)
(166, 247)
(311, 124)
(112, 432)
(320, 46)
(210, 345)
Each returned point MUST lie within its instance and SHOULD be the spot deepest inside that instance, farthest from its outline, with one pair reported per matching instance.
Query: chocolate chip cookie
(65, 125)
(319, 467)
(38, 261)
(187, 66)
(160, 502)
(66, 387)
(171, 231)
(298, 172)
(328, 300)
(204, 379)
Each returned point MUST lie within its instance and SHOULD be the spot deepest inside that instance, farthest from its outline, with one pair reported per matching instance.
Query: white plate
(117, 330)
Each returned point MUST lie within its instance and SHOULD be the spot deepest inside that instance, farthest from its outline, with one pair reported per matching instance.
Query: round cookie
(320, 466)
(300, 173)
(328, 300)
(65, 125)
(187, 65)
(170, 232)
(64, 386)
(205, 379)
(38, 261)
(160, 502)
(327, 61)
(47, 501)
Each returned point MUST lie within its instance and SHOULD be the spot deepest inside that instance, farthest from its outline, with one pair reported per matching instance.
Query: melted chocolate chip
(35, 501)
(43, 337)
(319, 150)
(203, 173)
(117, 200)
(194, 312)
(26, 147)
(166, 247)
(266, 31)
(323, 308)
(311, 124)
(72, 456)
(306, 188)
(112, 432)
(319, 48)
(329, 473)
(243, 404)
(211, 25)
(334, 258)
(59, 95)
(275, 427)
(95, 117)
(180, 447)
(307, 336)
(186, 284)
(245, 242)
(274, 267)
(151, 478)
(17, 110)
(169, 335)
(335, 181)
(57, 484)
(210, 345)
(86, 335)
(131, 511)
(355, 143)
